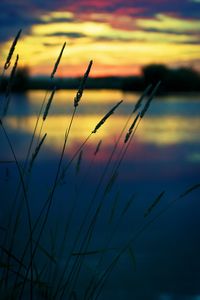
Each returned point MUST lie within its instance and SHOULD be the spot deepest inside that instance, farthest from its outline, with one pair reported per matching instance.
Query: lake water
(163, 156)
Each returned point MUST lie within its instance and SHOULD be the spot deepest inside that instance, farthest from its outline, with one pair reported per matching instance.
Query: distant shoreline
(182, 80)
(162, 95)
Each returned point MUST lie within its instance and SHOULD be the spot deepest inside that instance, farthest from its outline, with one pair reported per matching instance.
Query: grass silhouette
(34, 272)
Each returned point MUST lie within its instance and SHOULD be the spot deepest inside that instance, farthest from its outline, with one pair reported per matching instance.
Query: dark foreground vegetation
(41, 259)
(173, 80)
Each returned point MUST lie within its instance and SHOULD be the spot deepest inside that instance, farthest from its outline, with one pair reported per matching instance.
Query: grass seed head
(58, 61)
(131, 129)
(102, 121)
(11, 51)
(49, 103)
(82, 85)
(149, 100)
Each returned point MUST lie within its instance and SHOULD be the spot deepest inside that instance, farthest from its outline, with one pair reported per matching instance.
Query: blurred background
(132, 44)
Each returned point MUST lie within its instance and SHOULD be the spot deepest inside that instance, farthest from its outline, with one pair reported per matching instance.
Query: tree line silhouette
(183, 79)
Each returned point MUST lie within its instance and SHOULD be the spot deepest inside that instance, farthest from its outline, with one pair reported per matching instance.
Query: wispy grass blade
(144, 110)
(98, 288)
(26, 202)
(115, 170)
(82, 85)
(110, 183)
(57, 61)
(154, 204)
(128, 204)
(140, 100)
(11, 51)
(49, 201)
(9, 87)
(78, 165)
(92, 252)
(98, 147)
(132, 257)
(46, 111)
(134, 127)
(11, 255)
(114, 207)
(131, 129)
(189, 190)
(102, 121)
(35, 154)
(99, 124)
(46, 253)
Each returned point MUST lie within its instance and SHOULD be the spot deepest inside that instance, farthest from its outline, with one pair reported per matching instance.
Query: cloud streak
(118, 34)
(24, 14)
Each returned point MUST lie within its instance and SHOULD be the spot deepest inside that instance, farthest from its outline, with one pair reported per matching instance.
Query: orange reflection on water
(89, 97)
(168, 130)
(55, 127)
(161, 131)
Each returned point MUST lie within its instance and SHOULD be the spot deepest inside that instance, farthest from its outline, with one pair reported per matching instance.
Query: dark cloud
(15, 16)
(168, 31)
(23, 14)
(72, 35)
(145, 8)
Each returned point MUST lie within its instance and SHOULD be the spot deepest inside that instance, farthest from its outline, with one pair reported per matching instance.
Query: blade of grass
(50, 197)
(11, 51)
(26, 201)
(135, 236)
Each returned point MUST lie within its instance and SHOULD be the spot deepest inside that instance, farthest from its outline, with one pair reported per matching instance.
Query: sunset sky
(120, 36)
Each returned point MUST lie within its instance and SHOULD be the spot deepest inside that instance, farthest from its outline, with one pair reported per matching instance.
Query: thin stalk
(26, 202)
(102, 121)
(2, 77)
(9, 87)
(50, 198)
(78, 191)
(11, 51)
(137, 105)
(34, 132)
(111, 266)
(19, 185)
(141, 229)
(88, 236)
(45, 114)
(57, 179)
(107, 245)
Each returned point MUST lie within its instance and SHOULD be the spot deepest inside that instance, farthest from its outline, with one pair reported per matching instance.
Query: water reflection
(164, 156)
(160, 131)
(167, 139)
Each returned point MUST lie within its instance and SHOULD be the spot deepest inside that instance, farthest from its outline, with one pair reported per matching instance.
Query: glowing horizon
(119, 42)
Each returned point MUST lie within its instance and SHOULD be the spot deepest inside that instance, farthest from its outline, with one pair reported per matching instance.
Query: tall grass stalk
(99, 124)
(26, 202)
(137, 105)
(52, 282)
(9, 87)
(42, 106)
(111, 235)
(88, 236)
(11, 51)
(45, 113)
(131, 132)
(78, 190)
(50, 197)
(4, 112)
(34, 133)
(106, 273)
(36, 126)
(31, 145)
(9, 56)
